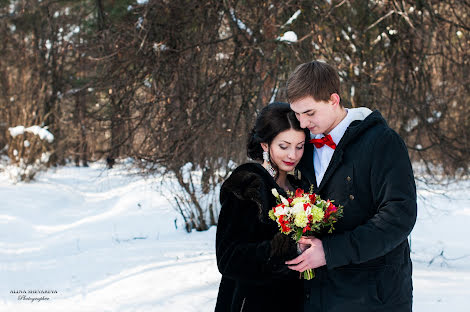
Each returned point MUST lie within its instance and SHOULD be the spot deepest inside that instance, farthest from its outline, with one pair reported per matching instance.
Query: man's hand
(312, 257)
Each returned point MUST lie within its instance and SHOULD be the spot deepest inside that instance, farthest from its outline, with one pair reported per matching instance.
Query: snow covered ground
(91, 239)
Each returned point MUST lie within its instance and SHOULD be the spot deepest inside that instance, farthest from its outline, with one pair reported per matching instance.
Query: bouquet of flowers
(304, 214)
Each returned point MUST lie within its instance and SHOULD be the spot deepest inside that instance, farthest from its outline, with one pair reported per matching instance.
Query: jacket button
(351, 197)
(307, 296)
(348, 179)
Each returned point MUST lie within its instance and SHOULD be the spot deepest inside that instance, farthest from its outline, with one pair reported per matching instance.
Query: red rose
(299, 192)
(332, 208)
(312, 198)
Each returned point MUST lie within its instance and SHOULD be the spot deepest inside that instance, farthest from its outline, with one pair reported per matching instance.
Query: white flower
(298, 207)
(308, 211)
(281, 211)
(275, 193)
(284, 201)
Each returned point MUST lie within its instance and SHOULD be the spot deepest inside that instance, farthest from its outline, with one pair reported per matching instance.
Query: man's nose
(303, 121)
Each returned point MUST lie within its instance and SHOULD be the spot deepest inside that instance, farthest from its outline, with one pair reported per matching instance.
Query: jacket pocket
(375, 288)
(355, 286)
(393, 285)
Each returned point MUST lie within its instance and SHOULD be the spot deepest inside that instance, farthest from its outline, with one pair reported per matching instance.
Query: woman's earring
(266, 156)
(269, 168)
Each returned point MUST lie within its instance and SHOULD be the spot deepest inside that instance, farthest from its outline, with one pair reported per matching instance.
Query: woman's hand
(283, 247)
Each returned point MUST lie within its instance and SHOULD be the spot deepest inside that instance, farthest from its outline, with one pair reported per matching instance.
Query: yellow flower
(301, 219)
(299, 200)
(317, 214)
(271, 215)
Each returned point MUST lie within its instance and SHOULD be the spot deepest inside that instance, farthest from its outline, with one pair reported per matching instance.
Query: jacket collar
(363, 119)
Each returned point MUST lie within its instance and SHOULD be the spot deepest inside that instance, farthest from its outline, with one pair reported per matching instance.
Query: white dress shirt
(322, 156)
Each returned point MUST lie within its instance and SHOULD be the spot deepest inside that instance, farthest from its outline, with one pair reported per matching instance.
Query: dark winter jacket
(253, 278)
(368, 257)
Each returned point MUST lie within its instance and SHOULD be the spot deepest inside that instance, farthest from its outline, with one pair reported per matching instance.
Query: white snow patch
(106, 241)
(293, 17)
(288, 36)
(15, 131)
(43, 133)
(239, 22)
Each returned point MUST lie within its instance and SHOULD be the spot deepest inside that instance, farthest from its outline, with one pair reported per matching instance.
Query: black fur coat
(250, 250)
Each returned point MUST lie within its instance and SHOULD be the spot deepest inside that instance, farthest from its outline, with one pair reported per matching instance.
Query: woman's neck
(282, 180)
(281, 177)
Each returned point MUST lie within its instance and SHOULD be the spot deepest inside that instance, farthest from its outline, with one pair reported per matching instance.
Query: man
(359, 162)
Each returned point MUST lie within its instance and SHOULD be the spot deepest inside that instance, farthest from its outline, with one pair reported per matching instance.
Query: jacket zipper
(243, 304)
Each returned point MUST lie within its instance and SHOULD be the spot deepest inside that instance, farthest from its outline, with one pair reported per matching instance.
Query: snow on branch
(288, 36)
(43, 133)
(240, 23)
(292, 18)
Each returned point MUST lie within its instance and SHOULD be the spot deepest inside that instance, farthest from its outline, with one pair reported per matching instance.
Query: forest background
(176, 85)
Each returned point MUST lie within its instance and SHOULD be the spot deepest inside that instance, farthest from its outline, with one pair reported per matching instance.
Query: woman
(249, 247)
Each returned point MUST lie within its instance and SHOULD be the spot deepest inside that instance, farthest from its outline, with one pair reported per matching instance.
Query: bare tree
(405, 58)
(176, 85)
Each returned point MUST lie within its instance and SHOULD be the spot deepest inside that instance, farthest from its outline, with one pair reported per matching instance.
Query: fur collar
(251, 182)
(248, 182)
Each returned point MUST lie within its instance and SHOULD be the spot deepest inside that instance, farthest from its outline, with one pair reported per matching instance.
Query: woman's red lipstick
(289, 163)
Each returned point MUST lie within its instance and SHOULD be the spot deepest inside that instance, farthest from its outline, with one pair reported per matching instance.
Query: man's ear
(334, 98)
(264, 146)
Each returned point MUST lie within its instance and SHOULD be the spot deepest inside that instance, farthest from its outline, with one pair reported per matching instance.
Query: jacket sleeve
(240, 254)
(394, 198)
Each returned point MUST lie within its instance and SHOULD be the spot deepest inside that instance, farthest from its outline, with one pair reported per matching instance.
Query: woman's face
(286, 149)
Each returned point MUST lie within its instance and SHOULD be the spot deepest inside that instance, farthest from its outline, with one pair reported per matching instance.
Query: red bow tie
(326, 140)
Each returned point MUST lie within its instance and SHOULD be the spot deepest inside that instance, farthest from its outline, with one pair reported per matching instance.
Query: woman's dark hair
(272, 120)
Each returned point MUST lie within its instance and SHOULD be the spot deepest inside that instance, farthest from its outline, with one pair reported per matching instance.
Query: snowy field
(91, 239)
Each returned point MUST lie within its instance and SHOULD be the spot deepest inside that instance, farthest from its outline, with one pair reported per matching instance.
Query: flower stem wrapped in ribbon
(304, 214)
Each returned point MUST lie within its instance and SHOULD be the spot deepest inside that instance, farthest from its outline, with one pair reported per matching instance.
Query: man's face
(317, 116)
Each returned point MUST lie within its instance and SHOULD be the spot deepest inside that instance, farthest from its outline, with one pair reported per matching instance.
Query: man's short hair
(316, 79)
